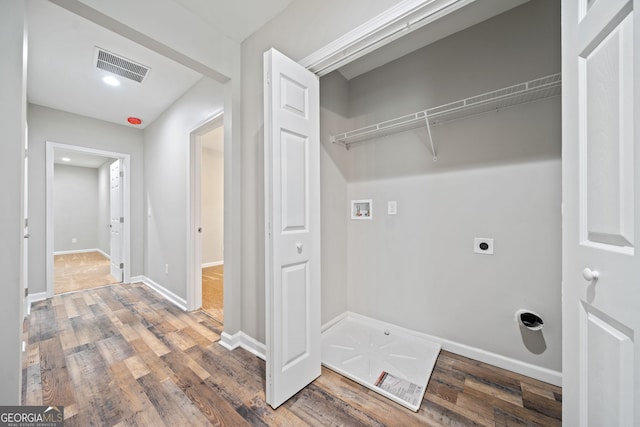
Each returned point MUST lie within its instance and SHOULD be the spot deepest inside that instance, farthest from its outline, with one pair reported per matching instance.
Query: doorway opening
(87, 218)
(206, 228)
(212, 221)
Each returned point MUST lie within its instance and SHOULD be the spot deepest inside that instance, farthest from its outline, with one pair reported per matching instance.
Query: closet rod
(533, 90)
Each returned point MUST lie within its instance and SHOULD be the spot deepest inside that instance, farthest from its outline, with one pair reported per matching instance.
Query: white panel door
(601, 191)
(117, 220)
(25, 261)
(292, 210)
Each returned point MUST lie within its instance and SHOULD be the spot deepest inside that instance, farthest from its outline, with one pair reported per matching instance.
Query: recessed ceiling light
(65, 159)
(111, 81)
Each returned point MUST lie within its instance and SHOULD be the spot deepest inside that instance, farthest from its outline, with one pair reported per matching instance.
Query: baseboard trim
(103, 253)
(31, 298)
(514, 365)
(335, 320)
(240, 339)
(167, 294)
(81, 251)
(212, 264)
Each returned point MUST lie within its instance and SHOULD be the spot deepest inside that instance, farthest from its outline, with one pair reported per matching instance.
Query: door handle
(299, 247)
(590, 275)
(199, 229)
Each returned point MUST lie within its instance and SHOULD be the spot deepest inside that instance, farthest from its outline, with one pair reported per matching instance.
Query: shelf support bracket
(433, 149)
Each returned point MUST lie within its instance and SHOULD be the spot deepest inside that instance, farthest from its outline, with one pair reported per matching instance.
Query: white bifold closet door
(292, 213)
(601, 223)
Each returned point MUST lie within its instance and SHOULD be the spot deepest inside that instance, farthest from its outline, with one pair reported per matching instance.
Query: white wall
(166, 149)
(212, 198)
(75, 208)
(298, 31)
(13, 98)
(46, 124)
(104, 207)
(497, 175)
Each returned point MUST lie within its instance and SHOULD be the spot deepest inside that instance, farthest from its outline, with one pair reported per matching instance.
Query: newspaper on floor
(403, 389)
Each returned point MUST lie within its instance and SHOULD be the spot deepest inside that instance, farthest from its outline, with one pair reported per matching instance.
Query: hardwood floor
(121, 355)
(212, 291)
(82, 270)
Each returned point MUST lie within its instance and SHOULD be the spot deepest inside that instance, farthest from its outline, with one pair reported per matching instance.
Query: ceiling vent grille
(121, 66)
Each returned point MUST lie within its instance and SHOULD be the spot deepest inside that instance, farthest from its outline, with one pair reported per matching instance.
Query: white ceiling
(61, 72)
(236, 19)
(77, 158)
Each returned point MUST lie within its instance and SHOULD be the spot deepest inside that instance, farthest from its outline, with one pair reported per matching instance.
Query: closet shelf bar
(533, 90)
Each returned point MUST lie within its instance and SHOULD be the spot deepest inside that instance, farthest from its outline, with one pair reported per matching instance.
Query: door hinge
(122, 265)
(121, 174)
(26, 292)
(26, 222)
(121, 219)
(268, 77)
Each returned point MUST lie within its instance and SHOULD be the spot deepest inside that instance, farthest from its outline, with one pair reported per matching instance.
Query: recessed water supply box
(362, 209)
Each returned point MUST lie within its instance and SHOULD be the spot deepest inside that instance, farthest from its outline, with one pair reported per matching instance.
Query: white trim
(31, 298)
(543, 374)
(167, 294)
(126, 208)
(194, 238)
(212, 264)
(240, 339)
(335, 320)
(83, 251)
(395, 22)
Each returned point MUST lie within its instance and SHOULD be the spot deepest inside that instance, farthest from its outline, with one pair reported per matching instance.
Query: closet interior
(455, 150)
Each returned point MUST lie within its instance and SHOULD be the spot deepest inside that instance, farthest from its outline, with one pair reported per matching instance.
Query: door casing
(126, 207)
(194, 220)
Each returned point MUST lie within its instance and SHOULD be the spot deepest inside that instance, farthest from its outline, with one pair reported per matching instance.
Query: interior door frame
(126, 207)
(194, 210)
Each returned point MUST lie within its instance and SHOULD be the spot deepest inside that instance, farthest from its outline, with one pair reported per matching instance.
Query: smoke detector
(120, 65)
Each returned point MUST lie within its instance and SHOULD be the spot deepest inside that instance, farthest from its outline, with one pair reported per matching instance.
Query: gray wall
(75, 208)
(334, 104)
(497, 175)
(46, 124)
(104, 207)
(166, 148)
(13, 98)
(212, 186)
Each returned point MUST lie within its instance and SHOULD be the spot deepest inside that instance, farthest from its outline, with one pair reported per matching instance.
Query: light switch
(392, 208)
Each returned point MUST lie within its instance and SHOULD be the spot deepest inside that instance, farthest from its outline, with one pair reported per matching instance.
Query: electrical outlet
(483, 245)
(74, 240)
(392, 208)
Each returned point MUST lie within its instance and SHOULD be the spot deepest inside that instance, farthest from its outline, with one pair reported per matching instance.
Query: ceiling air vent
(121, 66)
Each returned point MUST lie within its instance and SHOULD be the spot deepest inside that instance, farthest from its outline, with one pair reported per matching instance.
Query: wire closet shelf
(533, 90)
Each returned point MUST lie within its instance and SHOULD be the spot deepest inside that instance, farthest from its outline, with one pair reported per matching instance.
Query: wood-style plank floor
(212, 291)
(121, 355)
(81, 270)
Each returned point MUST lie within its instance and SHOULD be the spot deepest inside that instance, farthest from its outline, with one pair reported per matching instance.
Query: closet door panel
(292, 240)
